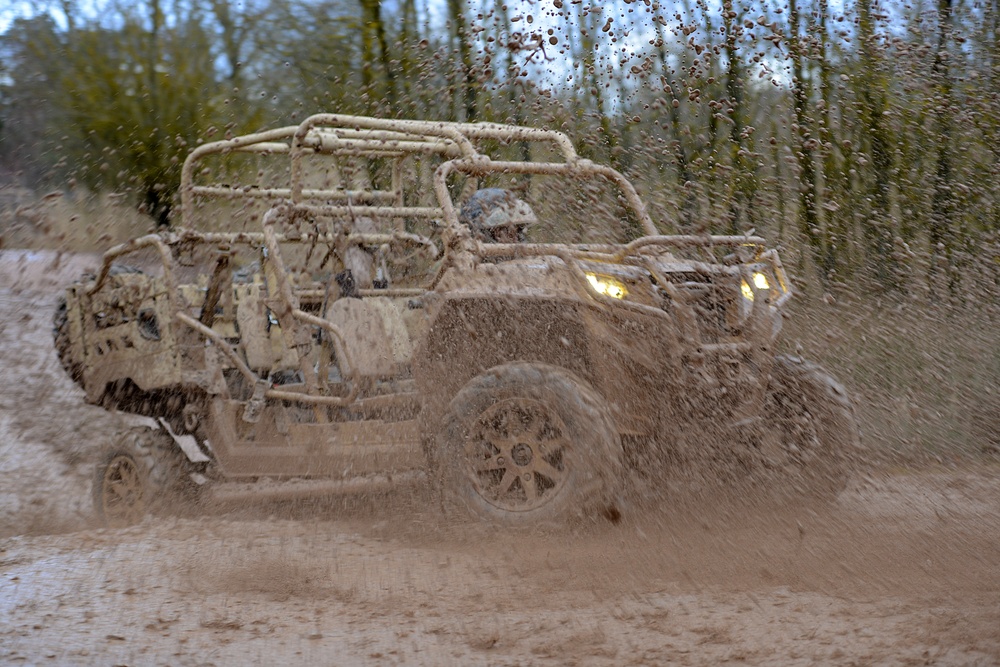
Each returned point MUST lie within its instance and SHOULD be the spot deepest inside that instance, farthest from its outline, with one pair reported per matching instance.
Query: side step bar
(228, 492)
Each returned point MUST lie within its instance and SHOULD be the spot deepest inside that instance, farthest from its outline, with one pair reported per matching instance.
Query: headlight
(760, 282)
(607, 286)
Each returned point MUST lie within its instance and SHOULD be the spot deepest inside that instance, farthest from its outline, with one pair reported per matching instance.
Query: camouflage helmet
(491, 208)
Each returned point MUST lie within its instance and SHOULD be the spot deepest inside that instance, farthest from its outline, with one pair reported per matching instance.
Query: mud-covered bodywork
(683, 342)
(332, 319)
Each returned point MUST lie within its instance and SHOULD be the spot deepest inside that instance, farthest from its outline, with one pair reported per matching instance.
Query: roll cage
(473, 150)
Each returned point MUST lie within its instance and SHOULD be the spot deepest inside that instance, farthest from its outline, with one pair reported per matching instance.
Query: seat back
(262, 343)
(376, 339)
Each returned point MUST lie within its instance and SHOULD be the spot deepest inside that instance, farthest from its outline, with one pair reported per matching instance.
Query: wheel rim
(122, 497)
(517, 455)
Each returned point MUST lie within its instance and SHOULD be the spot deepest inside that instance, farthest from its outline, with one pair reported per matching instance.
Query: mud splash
(900, 569)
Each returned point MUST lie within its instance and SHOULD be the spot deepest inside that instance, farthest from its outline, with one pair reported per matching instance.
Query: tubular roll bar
(357, 135)
(162, 245)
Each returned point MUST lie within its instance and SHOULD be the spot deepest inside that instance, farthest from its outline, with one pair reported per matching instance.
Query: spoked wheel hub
(517, 455)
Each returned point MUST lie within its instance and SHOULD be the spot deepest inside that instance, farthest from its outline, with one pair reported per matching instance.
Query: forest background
(861, 138)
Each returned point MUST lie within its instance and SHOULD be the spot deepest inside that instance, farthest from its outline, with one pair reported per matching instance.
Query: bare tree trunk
(877, 225)
(743, 177)
(713, 122)
(372, 36)
(467, 75)
(808, 217)
(69, 11)
(941, 231)
(157, 203)
(832, 174)
(383, 47)
(407, 28)
(779, 180)
(590, 45)
(592, 81)
(231, 37)
(513, 83)
(994, 108)
(673, 109)
(367, 46)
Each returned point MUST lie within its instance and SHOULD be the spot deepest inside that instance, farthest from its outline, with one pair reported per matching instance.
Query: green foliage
(127, 102)
(139, 107)
(862, 137)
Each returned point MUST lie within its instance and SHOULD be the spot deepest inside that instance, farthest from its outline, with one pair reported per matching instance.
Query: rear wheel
(524, 443)
(143, 472)
(61, 338)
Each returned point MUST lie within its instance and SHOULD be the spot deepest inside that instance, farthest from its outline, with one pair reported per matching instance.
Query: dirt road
(902, 569)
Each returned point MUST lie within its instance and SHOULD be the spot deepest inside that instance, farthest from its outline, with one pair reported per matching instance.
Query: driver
(496, 215)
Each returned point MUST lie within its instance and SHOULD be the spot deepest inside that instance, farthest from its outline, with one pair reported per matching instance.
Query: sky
(10, 10)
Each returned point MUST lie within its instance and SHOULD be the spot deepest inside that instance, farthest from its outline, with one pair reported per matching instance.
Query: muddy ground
(903, 568)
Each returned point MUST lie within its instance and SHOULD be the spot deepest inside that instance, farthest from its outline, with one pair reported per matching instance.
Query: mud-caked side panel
(471, 335)
(128, 335)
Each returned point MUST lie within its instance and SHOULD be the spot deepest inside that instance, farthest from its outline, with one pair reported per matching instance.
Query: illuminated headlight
(759, 281)
(607, 286)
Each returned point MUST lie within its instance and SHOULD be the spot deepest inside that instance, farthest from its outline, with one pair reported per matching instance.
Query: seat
(262, 341)
(376, 339)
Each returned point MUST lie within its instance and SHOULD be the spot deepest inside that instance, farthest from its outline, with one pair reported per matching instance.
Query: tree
(465, 67)
(139, 97)
(803, 142)
(26, 107)
(941, 228)
(125, 101)
(881, 117)
(673, 106)
(744, 179)
(373, 33)
(877, 224)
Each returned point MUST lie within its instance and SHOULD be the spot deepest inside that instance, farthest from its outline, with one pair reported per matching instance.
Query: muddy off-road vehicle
(325, 320)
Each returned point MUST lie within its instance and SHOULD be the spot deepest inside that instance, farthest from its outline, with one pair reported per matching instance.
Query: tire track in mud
(47, 434)
(407, 588)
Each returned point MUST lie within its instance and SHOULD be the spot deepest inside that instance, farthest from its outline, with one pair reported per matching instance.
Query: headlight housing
(607, 286)
(760, 281)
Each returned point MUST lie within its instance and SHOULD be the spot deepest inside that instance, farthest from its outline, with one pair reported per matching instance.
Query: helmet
(489, 209)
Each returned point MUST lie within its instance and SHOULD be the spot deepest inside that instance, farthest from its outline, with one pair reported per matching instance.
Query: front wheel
(811, 431)
(524, 443)
(142, 472)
